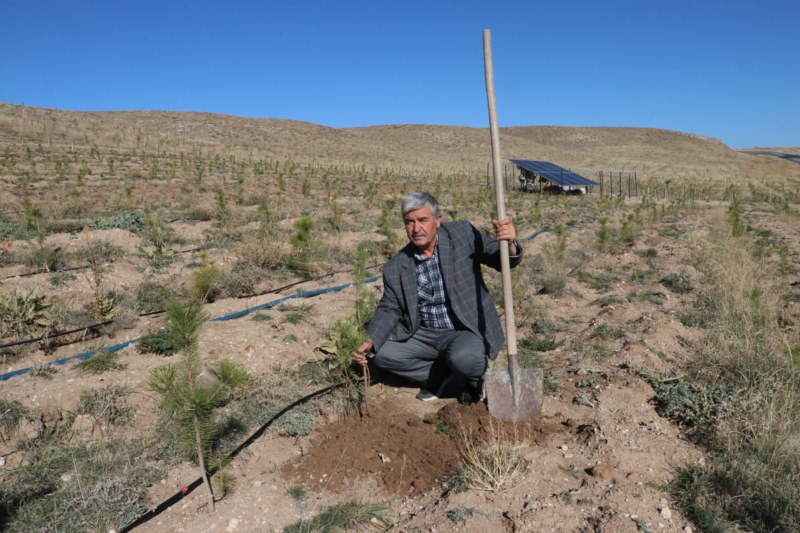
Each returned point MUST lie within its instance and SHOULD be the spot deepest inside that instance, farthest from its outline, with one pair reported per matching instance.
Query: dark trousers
(442, 361)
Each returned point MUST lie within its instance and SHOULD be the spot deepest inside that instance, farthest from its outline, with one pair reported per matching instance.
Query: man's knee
(390, 358)
(469, 363)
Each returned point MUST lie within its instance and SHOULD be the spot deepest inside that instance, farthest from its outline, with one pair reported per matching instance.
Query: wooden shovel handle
(508, 302)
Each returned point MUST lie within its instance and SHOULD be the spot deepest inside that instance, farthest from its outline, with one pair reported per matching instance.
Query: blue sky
(727, 69)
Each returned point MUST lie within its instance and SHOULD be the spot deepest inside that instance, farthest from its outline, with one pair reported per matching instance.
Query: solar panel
(554, 173)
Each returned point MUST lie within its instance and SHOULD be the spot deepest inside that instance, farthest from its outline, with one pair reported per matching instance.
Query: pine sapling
(190, 400)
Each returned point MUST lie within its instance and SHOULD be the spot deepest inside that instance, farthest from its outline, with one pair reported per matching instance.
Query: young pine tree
(190, 393)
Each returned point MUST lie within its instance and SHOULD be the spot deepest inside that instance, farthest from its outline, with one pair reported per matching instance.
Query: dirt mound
(406, 453)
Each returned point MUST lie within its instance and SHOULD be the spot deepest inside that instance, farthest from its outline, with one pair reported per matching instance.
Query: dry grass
(751, 389)
(494, 463)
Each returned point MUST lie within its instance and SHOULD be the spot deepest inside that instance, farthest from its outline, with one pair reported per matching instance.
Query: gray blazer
(462, 251)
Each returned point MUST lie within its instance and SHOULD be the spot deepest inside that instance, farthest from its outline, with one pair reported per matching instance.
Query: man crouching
(436, 322)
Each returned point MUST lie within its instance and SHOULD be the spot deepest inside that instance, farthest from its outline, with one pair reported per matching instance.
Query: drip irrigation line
(84, 355)
(55, 334)
(237, 314)
(232, 316)
(36, 272)
(304, 294)
(187, 489)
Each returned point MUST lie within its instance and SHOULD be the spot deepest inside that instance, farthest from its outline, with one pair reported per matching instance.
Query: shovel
(514, 395)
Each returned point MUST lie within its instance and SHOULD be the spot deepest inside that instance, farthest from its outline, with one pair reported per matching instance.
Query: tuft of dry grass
(496, 462)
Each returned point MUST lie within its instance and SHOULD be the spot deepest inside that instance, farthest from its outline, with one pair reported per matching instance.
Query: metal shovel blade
(520, 403)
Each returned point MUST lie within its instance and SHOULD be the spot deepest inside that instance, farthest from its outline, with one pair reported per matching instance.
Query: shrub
(132, 221)
(106, 404)
(295, 424)
(160, 343)
(22, 313)
(14, 231)
(152, 296)
(264, 254)
(495, 464)
(206, 279)
(101, 361)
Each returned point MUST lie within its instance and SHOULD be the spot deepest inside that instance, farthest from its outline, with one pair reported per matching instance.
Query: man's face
(421, 227)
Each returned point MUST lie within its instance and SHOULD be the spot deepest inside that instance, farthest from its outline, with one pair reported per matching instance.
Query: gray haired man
(436, 320)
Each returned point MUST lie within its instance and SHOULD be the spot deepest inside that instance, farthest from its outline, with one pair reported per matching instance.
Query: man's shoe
(472, 395)
(426, 396)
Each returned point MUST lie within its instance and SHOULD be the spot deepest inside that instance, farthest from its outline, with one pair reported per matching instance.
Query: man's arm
(490, 246)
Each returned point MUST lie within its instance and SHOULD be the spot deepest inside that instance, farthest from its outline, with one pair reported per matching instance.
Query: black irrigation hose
(187, 489)
(54, 335)
(36, 272)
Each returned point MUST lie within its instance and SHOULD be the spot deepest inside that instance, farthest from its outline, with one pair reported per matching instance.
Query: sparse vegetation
(159, 342)
(102, 361)
(599, 294)
(344, 516)
(741, 403)
(11, 414)
(106, 404)
(23, 313)
(495, 463)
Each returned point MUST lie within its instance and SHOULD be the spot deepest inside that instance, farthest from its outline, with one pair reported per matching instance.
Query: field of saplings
(180, 294)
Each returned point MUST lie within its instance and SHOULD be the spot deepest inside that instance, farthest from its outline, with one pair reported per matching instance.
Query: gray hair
(418, 200)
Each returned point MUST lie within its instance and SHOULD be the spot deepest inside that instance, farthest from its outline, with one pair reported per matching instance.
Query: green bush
(14, 231)
(152, 296)
(23, 313)
(160, 343)
(101, 361)
(133, 221)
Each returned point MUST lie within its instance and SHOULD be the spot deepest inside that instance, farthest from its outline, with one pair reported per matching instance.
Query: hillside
(666, 325)
(413, 149)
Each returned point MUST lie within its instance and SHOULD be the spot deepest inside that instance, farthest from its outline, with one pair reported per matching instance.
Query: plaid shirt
(433, 305)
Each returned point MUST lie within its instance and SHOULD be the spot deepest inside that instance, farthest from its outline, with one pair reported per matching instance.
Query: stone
(665, 513)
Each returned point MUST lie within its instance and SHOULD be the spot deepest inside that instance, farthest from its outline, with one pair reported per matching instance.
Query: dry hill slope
(411, 149)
